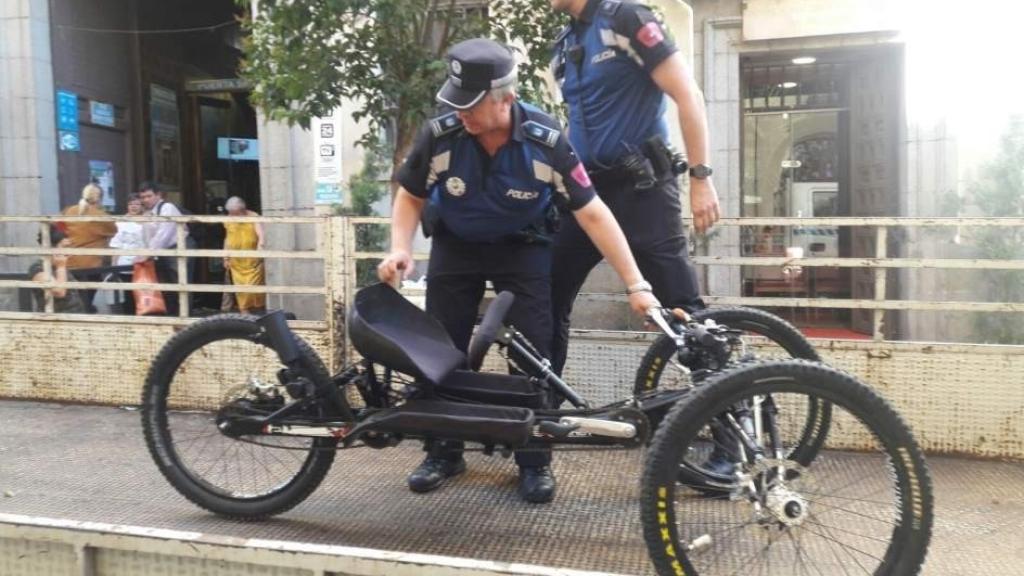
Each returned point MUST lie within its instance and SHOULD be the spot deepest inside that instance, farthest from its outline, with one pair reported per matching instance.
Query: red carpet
(833, 333)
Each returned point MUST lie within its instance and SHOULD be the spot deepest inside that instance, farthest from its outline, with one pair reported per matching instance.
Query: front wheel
(863, 506)
(222, 367)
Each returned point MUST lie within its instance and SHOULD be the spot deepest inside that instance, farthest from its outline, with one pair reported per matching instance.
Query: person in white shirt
(161, 236)
(129, 236)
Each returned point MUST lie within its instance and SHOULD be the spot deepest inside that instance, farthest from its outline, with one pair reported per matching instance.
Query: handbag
(147, 302)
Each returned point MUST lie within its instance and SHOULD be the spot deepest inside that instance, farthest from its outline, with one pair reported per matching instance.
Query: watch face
(700, 171)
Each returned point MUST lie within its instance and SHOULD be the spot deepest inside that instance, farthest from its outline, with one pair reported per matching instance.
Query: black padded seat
(487, 388)
(391, 331)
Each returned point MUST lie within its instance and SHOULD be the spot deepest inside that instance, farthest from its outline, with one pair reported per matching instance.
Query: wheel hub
(786, 507)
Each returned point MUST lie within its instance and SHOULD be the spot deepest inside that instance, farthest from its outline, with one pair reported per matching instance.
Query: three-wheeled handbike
(822, 475)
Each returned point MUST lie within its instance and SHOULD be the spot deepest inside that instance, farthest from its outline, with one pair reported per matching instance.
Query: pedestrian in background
(243, 270)
(88, 235)
(128, 237)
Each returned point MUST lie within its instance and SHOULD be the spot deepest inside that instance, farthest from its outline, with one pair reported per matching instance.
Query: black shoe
(433, 472)
(720, 464)
(536, 484)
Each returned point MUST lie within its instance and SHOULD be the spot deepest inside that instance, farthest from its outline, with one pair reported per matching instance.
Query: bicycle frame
(625, 423)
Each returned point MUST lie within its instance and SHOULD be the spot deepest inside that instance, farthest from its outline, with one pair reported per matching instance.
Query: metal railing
(336, 248)
(880, 263)
(323, 253)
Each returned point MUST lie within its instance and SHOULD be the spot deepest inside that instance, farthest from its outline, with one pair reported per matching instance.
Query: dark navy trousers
(456, 278)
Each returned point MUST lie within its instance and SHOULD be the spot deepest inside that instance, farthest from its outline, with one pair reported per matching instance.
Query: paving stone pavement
(91, 463)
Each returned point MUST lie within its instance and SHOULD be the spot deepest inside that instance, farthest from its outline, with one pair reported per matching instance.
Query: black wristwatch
(700, 171)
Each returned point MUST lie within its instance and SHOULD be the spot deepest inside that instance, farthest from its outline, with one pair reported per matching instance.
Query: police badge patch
(455, 186)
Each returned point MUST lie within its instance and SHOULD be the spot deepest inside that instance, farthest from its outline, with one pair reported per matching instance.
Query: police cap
(474, 68)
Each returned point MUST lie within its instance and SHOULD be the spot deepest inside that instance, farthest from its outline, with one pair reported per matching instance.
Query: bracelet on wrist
(641, 286)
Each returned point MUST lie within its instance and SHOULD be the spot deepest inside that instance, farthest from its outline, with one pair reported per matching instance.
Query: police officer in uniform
(615, 64)
(485, 178)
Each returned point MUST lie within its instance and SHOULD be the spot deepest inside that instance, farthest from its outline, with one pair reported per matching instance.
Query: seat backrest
(492, 321)
(391, 331)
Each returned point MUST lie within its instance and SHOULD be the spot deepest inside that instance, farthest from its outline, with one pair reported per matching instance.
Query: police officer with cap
(615, 64)
(484, 178)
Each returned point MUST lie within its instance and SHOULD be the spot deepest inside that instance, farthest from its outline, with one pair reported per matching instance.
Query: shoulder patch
(540, 133)
(610, 7)
(445, 124)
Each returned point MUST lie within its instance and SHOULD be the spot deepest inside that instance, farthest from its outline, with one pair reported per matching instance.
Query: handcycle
(826, 476)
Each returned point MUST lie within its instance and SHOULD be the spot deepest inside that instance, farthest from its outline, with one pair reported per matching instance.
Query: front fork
(285, 344)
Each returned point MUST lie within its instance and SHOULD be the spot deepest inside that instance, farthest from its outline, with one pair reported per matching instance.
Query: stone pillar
(28, 147)
(720, 80)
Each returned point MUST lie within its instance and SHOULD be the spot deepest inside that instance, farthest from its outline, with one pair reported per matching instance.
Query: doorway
(225, 163)
(794, 165)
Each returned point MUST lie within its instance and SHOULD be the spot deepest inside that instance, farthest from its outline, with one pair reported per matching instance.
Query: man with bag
(163, 236)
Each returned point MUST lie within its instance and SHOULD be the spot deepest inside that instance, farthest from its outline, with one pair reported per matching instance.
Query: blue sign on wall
(69, 141)
(101, 113)
(67, 111)
(67, 121)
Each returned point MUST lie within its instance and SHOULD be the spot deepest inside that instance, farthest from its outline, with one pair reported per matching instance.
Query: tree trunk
(403, 142)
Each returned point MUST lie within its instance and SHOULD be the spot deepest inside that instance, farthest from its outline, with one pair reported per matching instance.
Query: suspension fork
(285, 343)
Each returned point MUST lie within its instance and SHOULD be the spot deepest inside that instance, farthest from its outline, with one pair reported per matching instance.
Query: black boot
(433, 472)
(536, 484)
(725, 455)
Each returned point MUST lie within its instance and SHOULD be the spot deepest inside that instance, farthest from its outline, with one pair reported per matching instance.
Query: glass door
(792, 168)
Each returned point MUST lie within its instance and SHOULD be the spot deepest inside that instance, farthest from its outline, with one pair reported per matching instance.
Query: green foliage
(366, 189)
(999, 191)
(305, 57)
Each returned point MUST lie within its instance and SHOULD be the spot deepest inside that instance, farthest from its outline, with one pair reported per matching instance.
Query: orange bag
(147, 302)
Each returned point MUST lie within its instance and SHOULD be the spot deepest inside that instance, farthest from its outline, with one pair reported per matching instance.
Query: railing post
(44, 235)
(182, 264)
(336, 277)
(881, 240)
(351, 277)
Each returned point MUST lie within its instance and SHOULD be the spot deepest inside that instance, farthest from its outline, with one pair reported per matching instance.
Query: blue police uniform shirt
(481, 198)
(603, 61)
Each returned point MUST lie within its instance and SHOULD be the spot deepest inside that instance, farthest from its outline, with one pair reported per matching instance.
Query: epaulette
(562, 34)
(610, 7)
(540, 133)
(445, 124)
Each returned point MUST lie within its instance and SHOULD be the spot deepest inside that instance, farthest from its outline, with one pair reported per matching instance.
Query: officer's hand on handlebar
(395, 267)
(641, 302)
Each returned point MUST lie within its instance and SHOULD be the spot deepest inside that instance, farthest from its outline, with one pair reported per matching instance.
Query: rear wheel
(863, 506)
(216, 369)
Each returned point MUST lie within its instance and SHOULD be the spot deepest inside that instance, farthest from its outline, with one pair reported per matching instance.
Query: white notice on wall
(327, 155)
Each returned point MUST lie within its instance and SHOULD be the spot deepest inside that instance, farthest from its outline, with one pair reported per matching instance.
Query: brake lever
(657, 315)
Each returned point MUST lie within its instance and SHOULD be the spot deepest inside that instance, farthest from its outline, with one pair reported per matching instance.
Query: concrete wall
(96, 67)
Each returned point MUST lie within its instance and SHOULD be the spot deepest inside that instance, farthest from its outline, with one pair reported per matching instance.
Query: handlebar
(661, 317)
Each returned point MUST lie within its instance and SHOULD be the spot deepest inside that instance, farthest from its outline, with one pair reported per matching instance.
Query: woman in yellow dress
(245, 271)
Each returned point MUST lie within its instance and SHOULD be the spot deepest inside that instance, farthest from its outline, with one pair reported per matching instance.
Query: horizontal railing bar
(187, 252)
(835, 303)
(853, 262)
(949, 306)
(772, 261)
(382, 255)
(868, 221)
(191, 218)
(834, 221)
(121, 286)
(155, 320)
